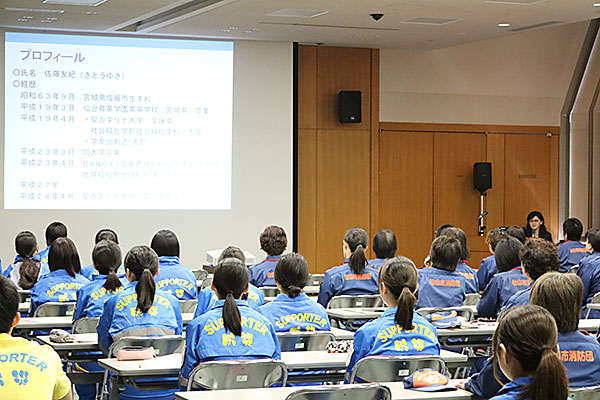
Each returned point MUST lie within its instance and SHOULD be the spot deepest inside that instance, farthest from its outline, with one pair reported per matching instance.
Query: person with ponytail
(64, 280)
(231, 330)
(525, 347)
(400, 330)
(354, 276)
(103, 234)
(293, 310)
(25, 270)
(140, 310)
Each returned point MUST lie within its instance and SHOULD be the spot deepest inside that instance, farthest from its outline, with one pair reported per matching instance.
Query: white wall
(519, 79)
(262, 174)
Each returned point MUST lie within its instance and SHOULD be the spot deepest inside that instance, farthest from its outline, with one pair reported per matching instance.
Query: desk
(24, 307)
(351, 314)
(397, 389)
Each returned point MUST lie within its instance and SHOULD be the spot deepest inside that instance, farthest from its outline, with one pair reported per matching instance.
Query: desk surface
(397, 389)
(44, 323)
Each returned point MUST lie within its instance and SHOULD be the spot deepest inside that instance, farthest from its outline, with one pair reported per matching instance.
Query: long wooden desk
(46, 323)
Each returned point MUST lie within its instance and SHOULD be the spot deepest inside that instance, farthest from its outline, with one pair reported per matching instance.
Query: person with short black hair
(537, 256)
(63, 280)
(571, 251)
(103, 234)
(487, 268)
(54, 231)
(589, 272)
(517, 232)
(25, 270)
(536, 228)
(462, 267)
(273, 241)
(173, 277)
(384, 246)
(440, 285)
(293, 310)
(207, 297)
(220, 334)
(354, 276)
(27, 369)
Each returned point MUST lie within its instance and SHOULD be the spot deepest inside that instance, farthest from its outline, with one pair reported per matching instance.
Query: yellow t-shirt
(30, 371)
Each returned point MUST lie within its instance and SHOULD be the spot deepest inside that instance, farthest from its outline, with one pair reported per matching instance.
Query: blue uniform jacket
(471, 277)
(501, 288)
(207, 299)
(521, 298)
(484, 383)
(13, 271)
(377, 263)
(263, 273)
(90, 271)
(299, 314)
(43, 256)
(440, 288)
(570, 253)
(580, 353)
(176, 279)
(56, 286)
(342, 280)
(486, 270)
(384, 337)
(512, 390)
(206, 339)
(589, 272)
(91, 297)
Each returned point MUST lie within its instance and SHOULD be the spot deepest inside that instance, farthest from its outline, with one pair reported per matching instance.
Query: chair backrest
(595, 299)
(85, 325)
(237, 374)
(471, 299)
(465, 312)
(54, 310)
(206, 282)
(200, 274)
(360, 301)
(315, 280)
(188, 306)
(585, 393)
(270, 291)
(305, 341)
(393, 368)
(574, 269)
(163, 345)
(369, 391)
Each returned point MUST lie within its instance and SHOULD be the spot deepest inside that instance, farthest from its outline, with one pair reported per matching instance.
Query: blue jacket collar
(288, 299)
(517, 383)
(99, 277)
(130, 284)
(172, 260)
(240, 303)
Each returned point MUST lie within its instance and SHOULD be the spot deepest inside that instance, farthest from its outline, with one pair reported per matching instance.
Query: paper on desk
(161, 361)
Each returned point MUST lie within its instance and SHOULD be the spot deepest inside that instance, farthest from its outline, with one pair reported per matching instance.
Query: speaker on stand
(482, 181)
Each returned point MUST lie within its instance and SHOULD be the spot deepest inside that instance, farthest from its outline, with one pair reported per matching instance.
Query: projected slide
(117, 123)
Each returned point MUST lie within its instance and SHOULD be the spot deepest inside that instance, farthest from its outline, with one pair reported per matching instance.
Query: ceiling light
(91, 13)
(503, 24)
(596, 4)
(23, 20)
(92, 3)
(288, 12)
(35, 10)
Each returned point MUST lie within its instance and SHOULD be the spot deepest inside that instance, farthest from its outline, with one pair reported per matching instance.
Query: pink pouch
(136, 354)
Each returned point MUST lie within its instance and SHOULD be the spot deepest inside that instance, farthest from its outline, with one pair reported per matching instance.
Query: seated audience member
(273, 241)
(207, 297)
(517, 232)
(487, 268)
(173, 277)
(26, 268)
(507, 282)
(537, 256)
(53, 231)
(27, 369)
(462, 267)
(437, 233)
(400, 330)
(140, 310)
(224, 333)
(354, 276)
(441, 285)
(384, 246)
(535, 227)
(64, 280)
(103, 234)
(572, 250)
(293, 310)
(589, 272)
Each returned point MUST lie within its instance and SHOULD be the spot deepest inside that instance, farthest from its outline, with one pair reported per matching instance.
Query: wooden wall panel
(307, 196)
(406, 190)
(339, 69)
(342, 189)
(495, 196)
(307, 87)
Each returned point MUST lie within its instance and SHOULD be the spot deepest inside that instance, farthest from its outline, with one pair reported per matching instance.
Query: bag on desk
(142, 353)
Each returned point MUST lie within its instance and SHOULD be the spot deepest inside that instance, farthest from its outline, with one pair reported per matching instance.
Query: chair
(209, 268)
(305, 341)
(200, 274)
(270, 291)
(465, 312)
(54, 309)
(574, 269)
(595, 300)
(359, 301)
(188, 306)
(85, 325)
(315, 280)
(393, 368)
(237, 374)
(24, 296)
(369, 391)
(472, 299)
(206, 282)
(163, 345)
(585, 393)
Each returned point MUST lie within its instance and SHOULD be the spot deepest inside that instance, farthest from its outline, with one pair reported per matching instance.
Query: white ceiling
(346, 23)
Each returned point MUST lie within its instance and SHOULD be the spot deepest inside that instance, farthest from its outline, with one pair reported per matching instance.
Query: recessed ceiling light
(23, 20)
(503, 24)
(91, 13)
(596, 4)
(35, 10)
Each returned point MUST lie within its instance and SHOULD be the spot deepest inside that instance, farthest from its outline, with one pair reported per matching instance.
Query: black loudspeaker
(349, 106)
(482, 176)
